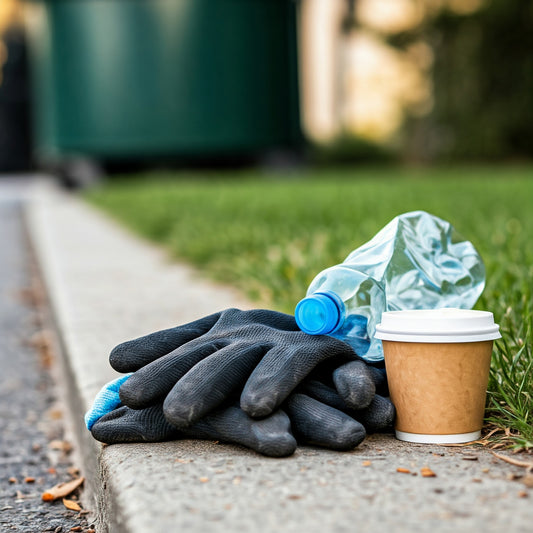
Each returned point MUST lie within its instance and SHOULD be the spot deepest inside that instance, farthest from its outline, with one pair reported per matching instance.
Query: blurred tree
(483, 83)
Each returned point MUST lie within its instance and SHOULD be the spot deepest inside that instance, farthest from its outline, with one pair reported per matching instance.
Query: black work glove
(315, 423)
(318, 415)
(269, 436)
(194, 368)
(281, 355)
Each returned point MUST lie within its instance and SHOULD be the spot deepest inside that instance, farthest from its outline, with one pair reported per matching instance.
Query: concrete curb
(107, 286)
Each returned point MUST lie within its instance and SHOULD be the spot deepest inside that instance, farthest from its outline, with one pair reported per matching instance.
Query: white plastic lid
(437, 325)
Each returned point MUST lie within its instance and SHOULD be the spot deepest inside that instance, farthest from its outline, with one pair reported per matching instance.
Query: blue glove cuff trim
(105, 401)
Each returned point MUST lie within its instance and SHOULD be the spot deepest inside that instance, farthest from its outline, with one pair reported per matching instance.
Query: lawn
(269, 233)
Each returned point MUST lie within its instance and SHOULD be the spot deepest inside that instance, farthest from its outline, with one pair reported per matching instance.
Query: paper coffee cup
(438, 363)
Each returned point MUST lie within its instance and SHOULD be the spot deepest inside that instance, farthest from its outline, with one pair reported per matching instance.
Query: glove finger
(378, 416)
(321, 425)
(210, 382)
(232, 318)
(324, 394)
(379, 376)
(134, 354)
(128, 425)
(270, 436)
(355, 384)
(151, 383)
(284, 367)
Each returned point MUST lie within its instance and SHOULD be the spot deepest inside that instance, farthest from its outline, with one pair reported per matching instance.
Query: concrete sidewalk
(107, 286)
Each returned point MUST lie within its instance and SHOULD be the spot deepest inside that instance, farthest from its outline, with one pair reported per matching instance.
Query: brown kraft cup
(438, 365)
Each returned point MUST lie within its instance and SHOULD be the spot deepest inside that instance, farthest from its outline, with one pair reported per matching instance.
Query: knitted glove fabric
(261, 355)
(318, 415)
(269, 436)
(315, 423)
(378, 415)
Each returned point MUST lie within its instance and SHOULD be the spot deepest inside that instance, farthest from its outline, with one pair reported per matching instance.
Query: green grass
(270, 233)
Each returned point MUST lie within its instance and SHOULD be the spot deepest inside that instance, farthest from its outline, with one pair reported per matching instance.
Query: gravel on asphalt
(34, 454)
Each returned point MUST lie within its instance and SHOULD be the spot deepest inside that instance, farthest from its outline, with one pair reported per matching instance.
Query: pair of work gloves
(245, 377)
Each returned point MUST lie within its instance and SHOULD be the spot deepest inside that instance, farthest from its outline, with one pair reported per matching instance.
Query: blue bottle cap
(319, 313)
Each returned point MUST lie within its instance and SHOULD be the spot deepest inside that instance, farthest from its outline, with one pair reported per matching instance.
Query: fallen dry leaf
(61, 490)
(403, 470)
(427, 472)
(367, 463)
(75, 528)
(72, 505)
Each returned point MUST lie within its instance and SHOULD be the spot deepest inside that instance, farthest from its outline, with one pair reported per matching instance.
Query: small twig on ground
(516, 462)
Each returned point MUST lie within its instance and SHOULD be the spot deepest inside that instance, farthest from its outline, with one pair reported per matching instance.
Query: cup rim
(445, 325)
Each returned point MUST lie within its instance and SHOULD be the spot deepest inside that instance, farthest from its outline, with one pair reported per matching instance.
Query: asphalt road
(33, 453)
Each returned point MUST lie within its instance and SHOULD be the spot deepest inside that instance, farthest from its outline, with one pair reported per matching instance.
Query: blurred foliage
(483, 84)
(348, 149)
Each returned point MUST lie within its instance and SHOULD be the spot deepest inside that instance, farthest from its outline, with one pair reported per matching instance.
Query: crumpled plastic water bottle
(417, 261)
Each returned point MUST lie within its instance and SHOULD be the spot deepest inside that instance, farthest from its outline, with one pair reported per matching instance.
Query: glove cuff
(105, 401)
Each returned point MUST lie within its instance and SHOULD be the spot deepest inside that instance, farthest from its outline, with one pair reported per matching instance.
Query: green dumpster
(118, 79)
